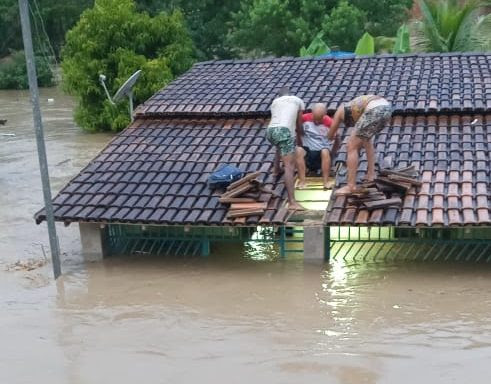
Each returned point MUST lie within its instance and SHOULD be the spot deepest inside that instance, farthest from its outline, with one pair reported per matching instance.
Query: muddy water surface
(230, 318)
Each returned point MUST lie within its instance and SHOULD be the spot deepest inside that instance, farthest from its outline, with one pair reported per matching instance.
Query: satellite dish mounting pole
(130, 96)
(125, 90)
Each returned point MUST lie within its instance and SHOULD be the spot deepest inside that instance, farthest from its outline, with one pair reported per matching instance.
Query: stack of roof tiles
(156, 170)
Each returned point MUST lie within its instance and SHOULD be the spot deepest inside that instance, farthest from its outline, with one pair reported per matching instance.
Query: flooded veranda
(238, 316)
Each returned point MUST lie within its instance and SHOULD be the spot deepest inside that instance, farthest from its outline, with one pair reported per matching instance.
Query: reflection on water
(239, 316)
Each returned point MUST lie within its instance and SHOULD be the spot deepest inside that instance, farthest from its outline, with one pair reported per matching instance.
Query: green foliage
(114, 39)
(317, 47)
(282, 27)
(366, 45)
(344, 26)
(450, 25)
(383, 17)
(13, 72)
(9, 27)
(208, 22)
(384, 44)
(263, 27)
(51, 18)
(402, 44)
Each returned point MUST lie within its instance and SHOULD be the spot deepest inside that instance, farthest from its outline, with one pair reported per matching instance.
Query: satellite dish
(125, 90)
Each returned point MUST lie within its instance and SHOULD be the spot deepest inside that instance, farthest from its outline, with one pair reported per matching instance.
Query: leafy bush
(115, 39)
(344, 26)
(13, 72)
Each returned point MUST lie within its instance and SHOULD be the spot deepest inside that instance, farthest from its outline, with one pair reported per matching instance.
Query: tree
(13, 72)
(114, 39)
(450, 25)
(9, 27)
(383, 17)
(264, 27)
(344, 26)
(51, 19)
(207, 20)
(282, 27)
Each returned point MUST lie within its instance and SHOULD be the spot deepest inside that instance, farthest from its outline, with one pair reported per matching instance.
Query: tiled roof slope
(453, 159)
(155, 171)
(424, 83)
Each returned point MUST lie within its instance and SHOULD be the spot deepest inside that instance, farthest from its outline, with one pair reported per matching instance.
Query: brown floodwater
(231, 318)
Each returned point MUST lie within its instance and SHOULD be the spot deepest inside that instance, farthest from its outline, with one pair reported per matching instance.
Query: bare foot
(327, 185)
(369, 178)
(295, 207)
(301, 185)
(346, 190)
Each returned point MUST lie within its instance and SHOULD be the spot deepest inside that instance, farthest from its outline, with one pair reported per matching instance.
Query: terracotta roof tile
(156, 170)
(414, 83)
(169, 187)
(447, 197)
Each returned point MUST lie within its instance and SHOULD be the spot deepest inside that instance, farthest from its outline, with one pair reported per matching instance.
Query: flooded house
(147, 192)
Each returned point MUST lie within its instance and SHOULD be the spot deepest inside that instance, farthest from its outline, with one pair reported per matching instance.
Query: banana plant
(317, 47)
(366, 45)
(402, 44)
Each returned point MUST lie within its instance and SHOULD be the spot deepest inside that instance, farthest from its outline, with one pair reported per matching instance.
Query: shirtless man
(368, 114)
(286, 119)
(315, 150)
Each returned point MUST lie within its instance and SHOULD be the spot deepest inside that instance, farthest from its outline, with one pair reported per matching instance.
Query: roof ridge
(316, 58)
(267, 114)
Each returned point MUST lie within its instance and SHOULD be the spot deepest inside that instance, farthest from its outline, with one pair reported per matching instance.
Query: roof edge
(315, 58)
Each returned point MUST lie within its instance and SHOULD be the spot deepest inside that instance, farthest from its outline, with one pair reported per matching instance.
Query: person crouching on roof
(286, 119)
(314, 151)
(368, 114)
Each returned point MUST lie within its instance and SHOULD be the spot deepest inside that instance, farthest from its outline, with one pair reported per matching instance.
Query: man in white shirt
(286, 121)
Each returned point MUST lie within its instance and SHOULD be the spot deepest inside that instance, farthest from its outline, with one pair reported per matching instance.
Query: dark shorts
(372, 121)
(313, 159)
(282, 138)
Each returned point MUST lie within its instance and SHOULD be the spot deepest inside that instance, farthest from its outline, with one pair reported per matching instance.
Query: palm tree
(452, 25)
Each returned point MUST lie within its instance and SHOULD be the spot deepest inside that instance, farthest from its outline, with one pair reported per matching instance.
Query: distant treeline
(223, 29)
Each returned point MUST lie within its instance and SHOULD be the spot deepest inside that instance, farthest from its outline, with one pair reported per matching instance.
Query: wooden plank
(269, 190)
(244, 213)
(254, 205)
(387, 172)
(383, 203)
(252, 195)
(405, 179)
(232, 200)
(359, 201)
(250, 176)
(391, 183)
(239, 190)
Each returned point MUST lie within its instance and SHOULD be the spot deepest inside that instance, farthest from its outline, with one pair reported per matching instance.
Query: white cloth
(376, 103)
(284, 112)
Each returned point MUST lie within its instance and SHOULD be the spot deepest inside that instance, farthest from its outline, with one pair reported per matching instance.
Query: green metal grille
(362, 244)
(356, 244)
(193, 241)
